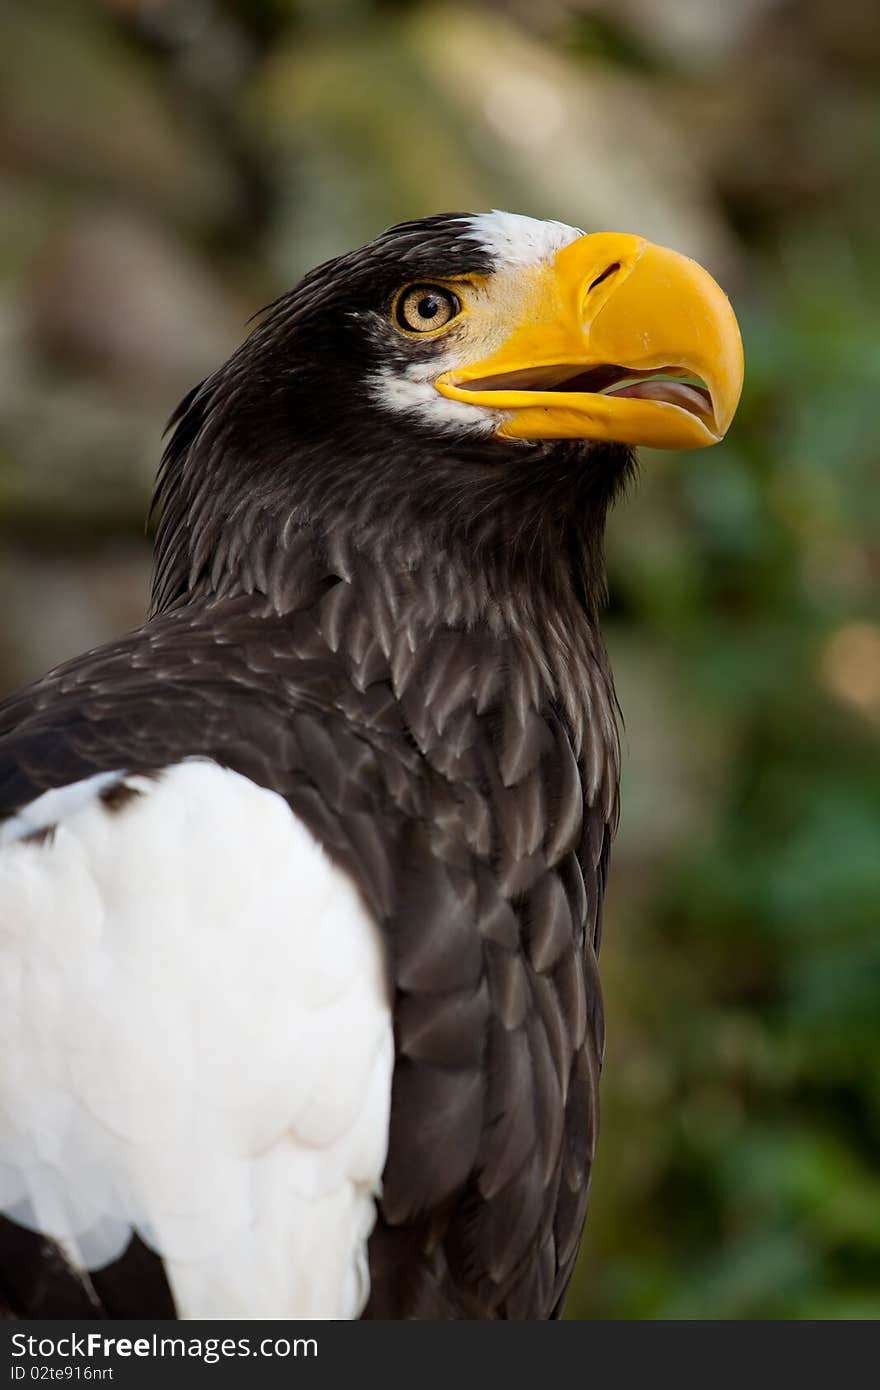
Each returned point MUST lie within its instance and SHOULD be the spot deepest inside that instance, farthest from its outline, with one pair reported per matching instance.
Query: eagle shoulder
(196, 1000)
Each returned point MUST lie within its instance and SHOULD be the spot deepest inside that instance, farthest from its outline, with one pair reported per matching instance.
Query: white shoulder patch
(514, 240)
(195, 1043)
(47, 810)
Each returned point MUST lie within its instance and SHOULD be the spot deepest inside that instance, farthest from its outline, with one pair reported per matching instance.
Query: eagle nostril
(609, 270)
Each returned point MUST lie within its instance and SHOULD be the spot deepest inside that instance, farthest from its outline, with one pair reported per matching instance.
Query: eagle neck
(509, 559)
(506, 634)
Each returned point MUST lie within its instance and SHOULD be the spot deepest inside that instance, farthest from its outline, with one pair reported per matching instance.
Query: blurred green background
(170, 165)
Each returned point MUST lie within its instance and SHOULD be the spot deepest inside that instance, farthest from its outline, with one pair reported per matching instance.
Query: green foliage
(744, 982)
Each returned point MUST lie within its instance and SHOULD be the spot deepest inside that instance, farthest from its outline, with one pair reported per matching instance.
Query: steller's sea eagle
(301, 882)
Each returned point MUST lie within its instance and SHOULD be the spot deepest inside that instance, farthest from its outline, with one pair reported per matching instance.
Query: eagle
(301, 882)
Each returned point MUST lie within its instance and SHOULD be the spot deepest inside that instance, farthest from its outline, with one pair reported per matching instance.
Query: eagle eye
(425, 308)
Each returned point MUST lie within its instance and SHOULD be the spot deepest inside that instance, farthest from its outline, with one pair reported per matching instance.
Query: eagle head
(458, 367)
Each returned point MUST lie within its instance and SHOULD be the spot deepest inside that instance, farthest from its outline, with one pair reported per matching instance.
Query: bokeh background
(169, 165)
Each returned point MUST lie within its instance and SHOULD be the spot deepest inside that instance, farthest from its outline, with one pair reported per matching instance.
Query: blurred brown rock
(117, 294)
(62, 597)
(78, 102)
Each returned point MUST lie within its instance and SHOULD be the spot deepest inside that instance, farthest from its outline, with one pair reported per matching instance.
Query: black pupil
(429, 306)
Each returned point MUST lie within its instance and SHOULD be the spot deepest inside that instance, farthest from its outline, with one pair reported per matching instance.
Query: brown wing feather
(436, 765)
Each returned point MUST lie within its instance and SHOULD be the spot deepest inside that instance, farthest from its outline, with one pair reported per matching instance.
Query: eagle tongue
(696, 399)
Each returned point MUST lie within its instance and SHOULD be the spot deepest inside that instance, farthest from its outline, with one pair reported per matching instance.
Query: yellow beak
(608, 332)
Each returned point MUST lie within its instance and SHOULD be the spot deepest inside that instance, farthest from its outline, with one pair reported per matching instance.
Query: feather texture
(474, 866)
(195, 1001)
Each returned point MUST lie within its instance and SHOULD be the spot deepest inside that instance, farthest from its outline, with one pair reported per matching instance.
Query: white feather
(410, 390)
(47, 810)
(513, 240)
(197, 1044)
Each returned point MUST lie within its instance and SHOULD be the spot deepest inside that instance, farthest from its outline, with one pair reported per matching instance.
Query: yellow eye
(424, 308)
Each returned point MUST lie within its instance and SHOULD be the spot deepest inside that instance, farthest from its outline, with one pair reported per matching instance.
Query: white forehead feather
(513, 240)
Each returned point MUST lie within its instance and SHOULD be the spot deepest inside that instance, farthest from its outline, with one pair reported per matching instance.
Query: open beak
(619, 340)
